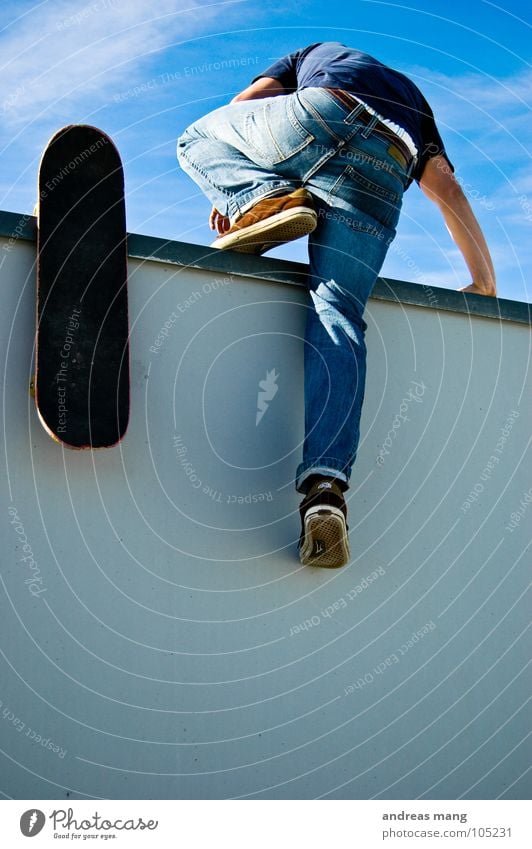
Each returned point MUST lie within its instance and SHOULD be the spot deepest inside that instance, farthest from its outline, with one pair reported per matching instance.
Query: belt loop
(354, 113)
(368, 129)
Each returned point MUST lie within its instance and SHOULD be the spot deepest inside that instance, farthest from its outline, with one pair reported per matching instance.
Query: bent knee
(187, 137)
(330, 294)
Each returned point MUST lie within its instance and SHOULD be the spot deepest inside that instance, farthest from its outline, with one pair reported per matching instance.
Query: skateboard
(82, 350)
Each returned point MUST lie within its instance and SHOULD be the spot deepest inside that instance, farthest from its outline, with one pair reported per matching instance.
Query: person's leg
(346, 252)
(358, 196)
(244, 152)
(221, 153)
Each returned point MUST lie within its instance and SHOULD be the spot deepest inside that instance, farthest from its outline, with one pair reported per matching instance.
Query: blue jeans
(246, 151)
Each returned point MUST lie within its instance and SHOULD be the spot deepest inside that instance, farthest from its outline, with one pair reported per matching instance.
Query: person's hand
(481, 289)
(219, 222)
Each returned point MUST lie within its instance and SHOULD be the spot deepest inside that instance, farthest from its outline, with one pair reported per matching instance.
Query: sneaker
(271, 222)
(323, 540)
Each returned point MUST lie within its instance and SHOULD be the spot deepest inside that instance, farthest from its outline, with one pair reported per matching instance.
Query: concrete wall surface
(159, 637)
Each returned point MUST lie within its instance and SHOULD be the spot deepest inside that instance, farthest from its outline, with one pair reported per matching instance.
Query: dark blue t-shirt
(330, 64)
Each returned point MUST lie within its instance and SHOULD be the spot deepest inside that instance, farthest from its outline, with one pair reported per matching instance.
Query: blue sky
(142, 71)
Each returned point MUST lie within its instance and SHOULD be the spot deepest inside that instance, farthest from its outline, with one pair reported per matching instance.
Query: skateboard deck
(82, 350)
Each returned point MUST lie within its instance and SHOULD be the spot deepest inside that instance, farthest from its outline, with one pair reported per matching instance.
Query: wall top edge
(19, 226)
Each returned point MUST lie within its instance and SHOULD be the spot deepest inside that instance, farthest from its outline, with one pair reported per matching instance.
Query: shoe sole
(284, 226)
(325, 540)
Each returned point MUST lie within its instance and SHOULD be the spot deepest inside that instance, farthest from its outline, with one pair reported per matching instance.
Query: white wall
(175, 648)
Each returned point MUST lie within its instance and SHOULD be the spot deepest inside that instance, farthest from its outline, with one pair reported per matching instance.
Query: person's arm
(263, 87)
(440, 186)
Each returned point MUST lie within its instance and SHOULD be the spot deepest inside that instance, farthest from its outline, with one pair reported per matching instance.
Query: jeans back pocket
(274, 133)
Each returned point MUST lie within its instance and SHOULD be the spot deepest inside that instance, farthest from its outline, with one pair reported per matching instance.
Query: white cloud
(61, 53)
(480, 114)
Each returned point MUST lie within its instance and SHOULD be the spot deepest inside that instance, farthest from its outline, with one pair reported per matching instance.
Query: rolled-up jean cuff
(242, 201)
(304, 471)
